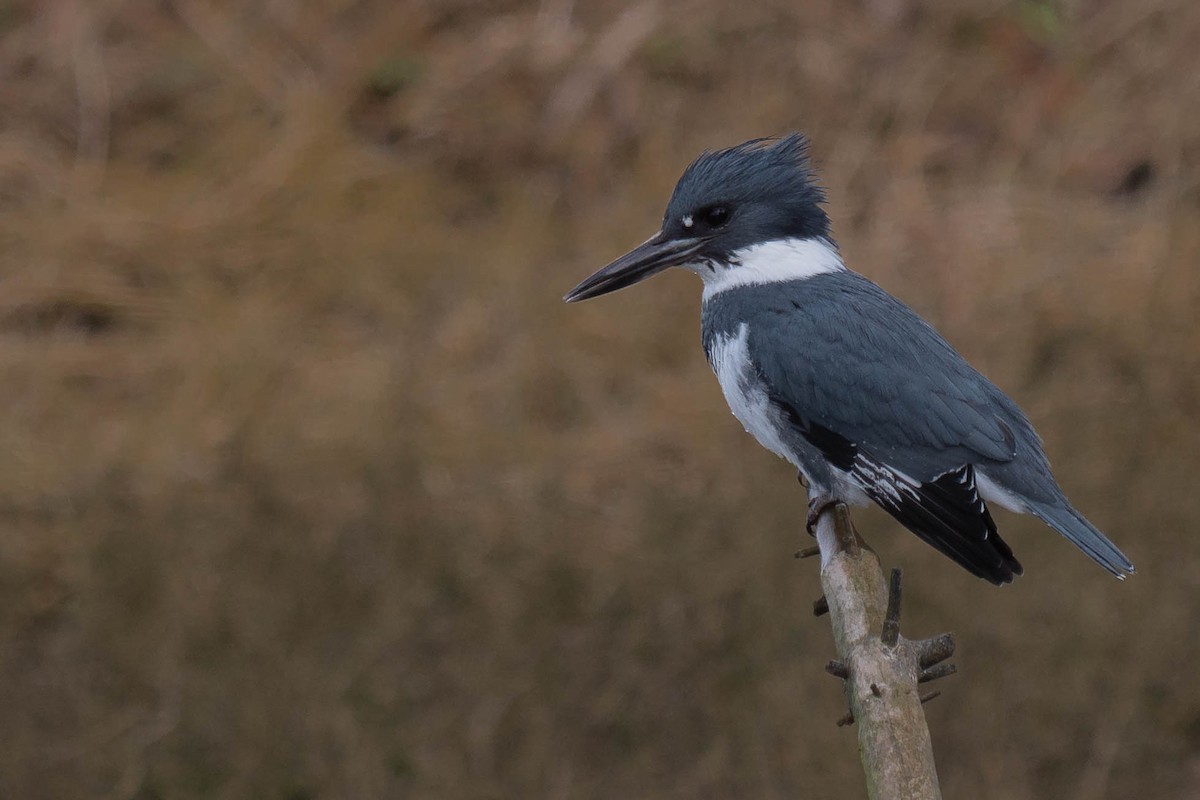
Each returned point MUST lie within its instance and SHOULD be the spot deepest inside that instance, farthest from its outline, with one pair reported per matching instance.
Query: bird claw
(817, 505)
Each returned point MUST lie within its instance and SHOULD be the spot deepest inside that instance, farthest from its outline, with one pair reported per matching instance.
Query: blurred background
(313, 488)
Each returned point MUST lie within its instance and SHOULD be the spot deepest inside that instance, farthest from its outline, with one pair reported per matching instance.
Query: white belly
(745, 394)
(748, 400)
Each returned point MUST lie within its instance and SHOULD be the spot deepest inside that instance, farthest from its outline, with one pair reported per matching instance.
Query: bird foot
(818, 504)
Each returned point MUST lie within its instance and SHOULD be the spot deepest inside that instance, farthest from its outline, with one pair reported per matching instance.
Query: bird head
(726, 203)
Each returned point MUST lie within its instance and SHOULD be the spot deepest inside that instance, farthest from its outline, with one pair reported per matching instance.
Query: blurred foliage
(393, 75)
(314, 488)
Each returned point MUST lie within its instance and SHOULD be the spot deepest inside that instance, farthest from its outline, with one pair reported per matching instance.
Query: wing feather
(854, 359)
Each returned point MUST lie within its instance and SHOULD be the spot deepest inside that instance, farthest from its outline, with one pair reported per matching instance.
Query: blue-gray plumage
(833, 374)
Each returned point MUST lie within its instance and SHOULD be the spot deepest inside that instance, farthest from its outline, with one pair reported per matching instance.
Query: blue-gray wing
(843, 354)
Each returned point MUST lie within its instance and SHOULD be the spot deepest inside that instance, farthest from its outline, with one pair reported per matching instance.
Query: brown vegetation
(312, 487)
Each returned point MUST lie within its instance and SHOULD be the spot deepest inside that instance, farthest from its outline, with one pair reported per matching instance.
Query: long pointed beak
(648, 258)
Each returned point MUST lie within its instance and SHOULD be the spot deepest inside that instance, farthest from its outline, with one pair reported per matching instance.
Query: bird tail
(1070, 523)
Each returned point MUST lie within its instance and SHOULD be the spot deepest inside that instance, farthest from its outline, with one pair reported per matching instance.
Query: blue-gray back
(837, 350)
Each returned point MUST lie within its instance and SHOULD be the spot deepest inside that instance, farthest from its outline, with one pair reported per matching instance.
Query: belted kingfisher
(830, 372)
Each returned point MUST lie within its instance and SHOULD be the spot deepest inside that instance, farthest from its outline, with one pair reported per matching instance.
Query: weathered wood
(881, 680)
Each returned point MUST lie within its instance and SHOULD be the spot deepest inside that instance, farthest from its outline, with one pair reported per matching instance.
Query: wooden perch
(881, 668)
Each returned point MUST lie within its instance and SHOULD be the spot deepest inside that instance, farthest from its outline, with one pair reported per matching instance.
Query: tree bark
(881, 669)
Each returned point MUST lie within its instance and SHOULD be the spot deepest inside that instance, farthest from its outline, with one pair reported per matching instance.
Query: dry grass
(313, 488)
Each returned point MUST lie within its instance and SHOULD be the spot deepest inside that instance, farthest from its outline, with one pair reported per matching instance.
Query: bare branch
(880, 667)
(891, 621)
(935, 650)
(933, 673)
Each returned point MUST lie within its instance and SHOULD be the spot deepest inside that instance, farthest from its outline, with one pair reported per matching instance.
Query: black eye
(714, 216)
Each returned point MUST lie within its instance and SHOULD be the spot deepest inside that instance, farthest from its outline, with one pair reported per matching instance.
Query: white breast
(745, 394)
(747, 398)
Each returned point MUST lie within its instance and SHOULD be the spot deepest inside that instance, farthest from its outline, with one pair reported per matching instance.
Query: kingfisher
(827, 370)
